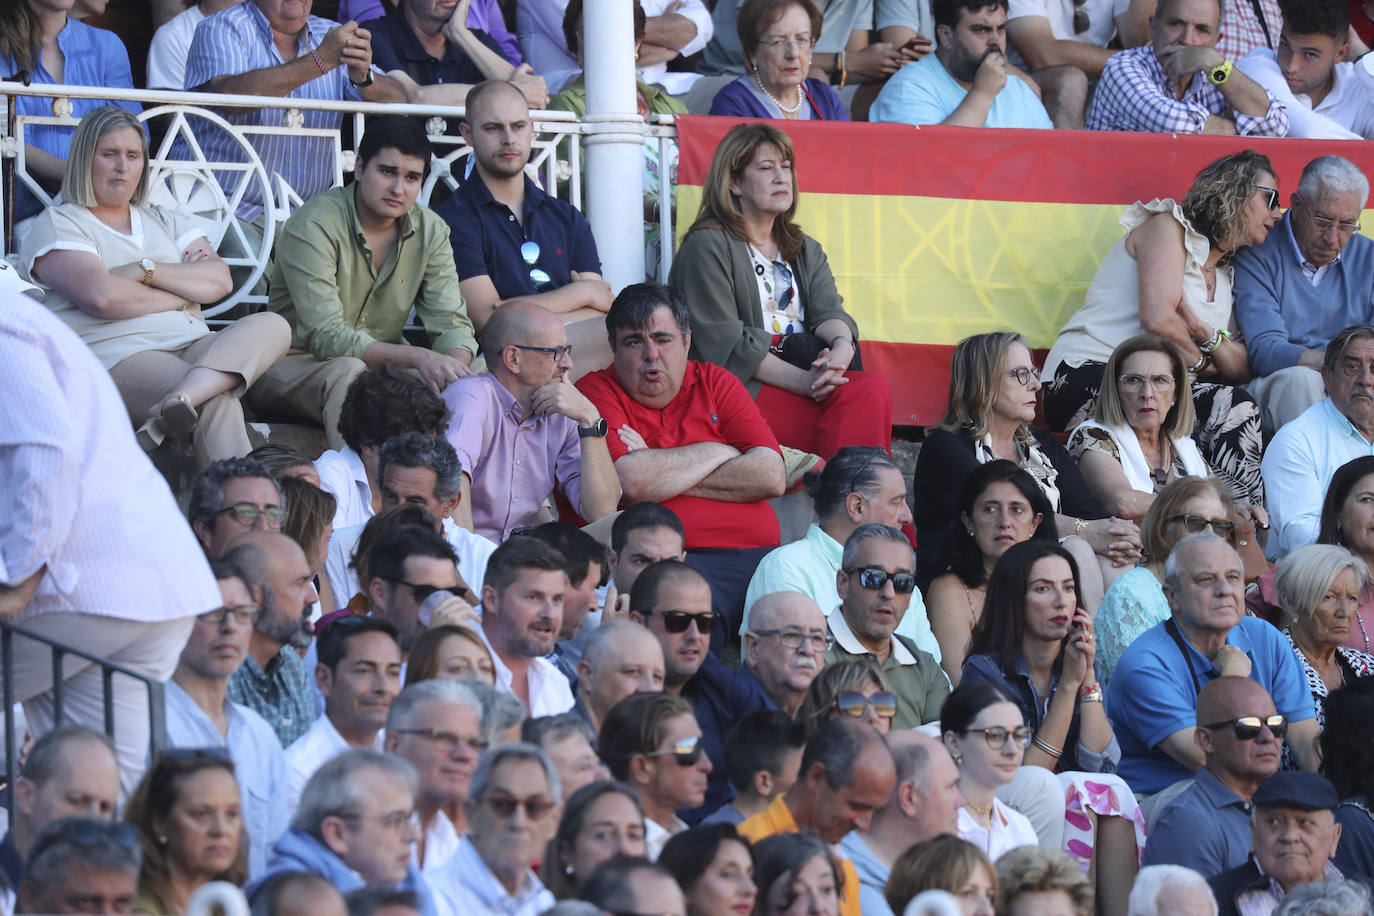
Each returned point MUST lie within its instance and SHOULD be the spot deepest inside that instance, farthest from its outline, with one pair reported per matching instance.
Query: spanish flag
(936, 233)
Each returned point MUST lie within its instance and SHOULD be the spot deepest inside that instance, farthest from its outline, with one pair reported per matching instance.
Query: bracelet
(844, 74)
(1092, 694)
(1055, 752)
(1079, 524)
(319, 63)
(842, 337)
(1215, 341)
(1201, 363)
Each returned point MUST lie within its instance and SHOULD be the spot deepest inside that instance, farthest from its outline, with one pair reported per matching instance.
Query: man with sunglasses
(1206, 826)
(1153, 694)
(876, 580)
(522, 430)
(201, 715)
(512, 240)
(511, 813)
(1311, 277)
(673, 601)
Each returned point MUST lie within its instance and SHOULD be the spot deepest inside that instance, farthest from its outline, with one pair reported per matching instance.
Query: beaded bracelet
(319, 63)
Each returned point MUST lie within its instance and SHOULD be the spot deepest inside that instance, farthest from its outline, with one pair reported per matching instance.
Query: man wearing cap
(1293, 838)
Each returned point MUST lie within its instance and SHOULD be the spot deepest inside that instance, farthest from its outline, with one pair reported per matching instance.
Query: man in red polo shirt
(686, 434)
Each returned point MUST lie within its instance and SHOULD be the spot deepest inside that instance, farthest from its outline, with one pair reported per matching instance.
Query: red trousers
(859, 413)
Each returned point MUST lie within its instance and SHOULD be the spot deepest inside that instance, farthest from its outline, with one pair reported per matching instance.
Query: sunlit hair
(1168, 504)
(943, 862)
(309, 511)
(720, 208)
(819, 703)
(76, 183)
(1306, 573)
(20, 34)
(1215, 204)
(1178, 422)
(1036, 869)
(1333, 173)
(975, 377)
(423, 662)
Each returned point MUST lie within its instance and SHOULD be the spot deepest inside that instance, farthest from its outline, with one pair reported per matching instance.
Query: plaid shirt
(1135, 94)
(282, 694)
(1241, 31)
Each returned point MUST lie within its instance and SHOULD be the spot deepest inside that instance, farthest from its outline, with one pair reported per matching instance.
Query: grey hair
(1154, 880)
(867, 532)
(342, 785)
(501, 711)
(1172, 574)
(1306, 573)
(435, 690)
(554, 729)
(514, 752)
(416, 450)
(1326, 898)
(913, 765)
(54, 849)
(207, 490)
(604, 637)
(47, 752)
(1335, 173)
(838, 745)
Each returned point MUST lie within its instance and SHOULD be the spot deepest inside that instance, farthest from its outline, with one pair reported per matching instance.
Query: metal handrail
(157, 717)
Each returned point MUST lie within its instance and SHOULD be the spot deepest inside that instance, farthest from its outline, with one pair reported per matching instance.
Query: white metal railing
(183, 179)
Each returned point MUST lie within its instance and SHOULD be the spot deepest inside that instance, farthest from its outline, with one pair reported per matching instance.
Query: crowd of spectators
(526, 637)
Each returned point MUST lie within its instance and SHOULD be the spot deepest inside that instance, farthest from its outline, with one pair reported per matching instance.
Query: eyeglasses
(529, 253)
(1325, 224)
(875, 577)
(395, 822)
(422, 592)
(685, 752)
(1160, 383)
(1247, 728)
(997, 736)
(801, 42)
(1081, 22)
(853, 703)
(679, 621)
(794, 639)
(1195, 523)
(1024, 374)
(558, 352)
(244, 615)
(246, 514)
(449, 740)
(503, 806)
(87, 833)
(1273, 195)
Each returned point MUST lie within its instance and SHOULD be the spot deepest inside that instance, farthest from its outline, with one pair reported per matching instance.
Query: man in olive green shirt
(349, 265)
(875, 582)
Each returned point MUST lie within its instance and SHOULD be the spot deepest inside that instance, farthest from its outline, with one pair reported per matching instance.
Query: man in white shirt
(437, 726)
(1326, 96)
(200, 714)
(421, 469)
(359, 673)
(511, 814)
(380, 404)
(522, 612)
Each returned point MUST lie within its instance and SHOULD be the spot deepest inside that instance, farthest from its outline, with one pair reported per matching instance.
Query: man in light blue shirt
(200, 715)
(965, 82)
(1305, 453)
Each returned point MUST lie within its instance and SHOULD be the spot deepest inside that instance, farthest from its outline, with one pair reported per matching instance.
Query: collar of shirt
(828, 547)
(1341, 422)
(308, 39)
(1264, 894)
(539, 671)
(410, 48)
(1217, 793)
(846, 640)
(508, 403)
(355, 465)
(477, 878)
(475, 186)
(1311, 271)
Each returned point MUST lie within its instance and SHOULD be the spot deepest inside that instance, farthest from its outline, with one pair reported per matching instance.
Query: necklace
(781, 107)
(983, 811)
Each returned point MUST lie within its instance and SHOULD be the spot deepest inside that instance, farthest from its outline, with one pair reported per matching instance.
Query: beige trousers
(245, 348)
(303, 387)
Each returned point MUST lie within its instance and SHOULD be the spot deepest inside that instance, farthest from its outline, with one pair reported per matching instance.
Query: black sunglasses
(1195, 523)
(1273, 195)
(875, 577)
(685, 752)
(679, 621)
(1247, 728)
(422, 592)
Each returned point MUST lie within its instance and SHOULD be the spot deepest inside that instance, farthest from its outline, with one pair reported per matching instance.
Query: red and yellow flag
(936, 233)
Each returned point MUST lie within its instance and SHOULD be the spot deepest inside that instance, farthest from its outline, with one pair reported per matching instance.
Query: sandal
(177, 418)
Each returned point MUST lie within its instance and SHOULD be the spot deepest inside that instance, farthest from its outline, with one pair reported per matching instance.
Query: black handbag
(801, 349)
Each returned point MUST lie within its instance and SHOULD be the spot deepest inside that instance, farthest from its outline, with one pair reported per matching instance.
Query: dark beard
(295, 632)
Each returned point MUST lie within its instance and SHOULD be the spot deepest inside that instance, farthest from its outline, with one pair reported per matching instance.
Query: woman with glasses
(1000, 506)
(1171, 275)
(778, 37)
(190, 826)
(715, 869)
(764, 305)
(1319, 589)
(127, 276)
(796, 876)
(1035, 642)
(993, 388)
(450, 651)
(601, 820)
(856, 689)
(1136, 601)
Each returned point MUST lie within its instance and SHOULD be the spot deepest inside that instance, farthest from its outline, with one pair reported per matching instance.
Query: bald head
(1241, 761)
(282, 584)
(516, 323)
(622, 657)
(1230, 697)
(785, 609)
(926, 800)
(489, 94)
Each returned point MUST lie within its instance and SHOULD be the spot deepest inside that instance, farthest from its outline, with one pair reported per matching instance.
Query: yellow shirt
(777, 818)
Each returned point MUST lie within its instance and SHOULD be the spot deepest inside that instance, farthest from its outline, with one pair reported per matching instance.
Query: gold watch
(149, 266)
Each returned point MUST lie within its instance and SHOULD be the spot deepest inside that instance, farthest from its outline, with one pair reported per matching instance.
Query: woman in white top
(1170, 276)
(987, 736)
(126, 276)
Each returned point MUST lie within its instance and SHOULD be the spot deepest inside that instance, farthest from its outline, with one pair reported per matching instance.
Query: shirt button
(511, 217)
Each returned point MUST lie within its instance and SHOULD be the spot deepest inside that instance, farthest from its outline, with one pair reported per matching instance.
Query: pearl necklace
(781, 107)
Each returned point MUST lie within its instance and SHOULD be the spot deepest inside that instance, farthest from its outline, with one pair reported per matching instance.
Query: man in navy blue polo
(510, 239)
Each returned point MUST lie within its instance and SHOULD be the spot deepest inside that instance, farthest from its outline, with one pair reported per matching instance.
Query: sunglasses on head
(875, 577)
(679, 621)
(1247, 728)
(686, 752)
(1195, 523)
(853, 703)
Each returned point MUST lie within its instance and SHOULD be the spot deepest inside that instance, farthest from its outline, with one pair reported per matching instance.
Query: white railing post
(615, 196)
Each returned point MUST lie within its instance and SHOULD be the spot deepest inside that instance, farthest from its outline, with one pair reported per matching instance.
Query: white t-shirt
(171, 44)
(1101, 21)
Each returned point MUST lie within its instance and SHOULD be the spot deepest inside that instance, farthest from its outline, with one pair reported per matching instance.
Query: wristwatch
(149, 266)
(596, 430)
(1220, 73)
(364, 84)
